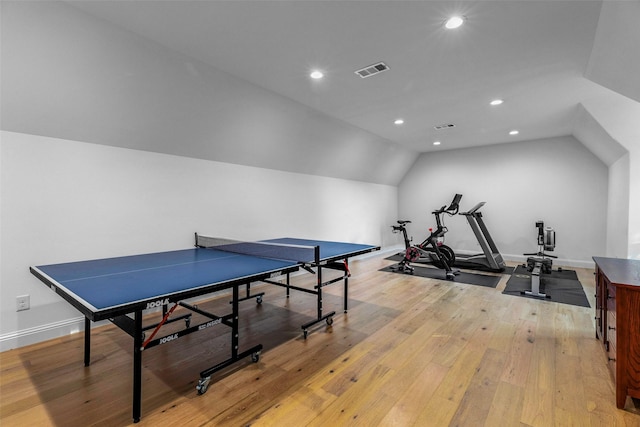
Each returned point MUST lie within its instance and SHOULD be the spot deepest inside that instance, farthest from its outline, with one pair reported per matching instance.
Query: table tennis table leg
(346, 285)
(319, 285)
(328, 318)
(137, 366)
(235, 324)
(288, 283)
(254, 352)
(249, 295)
(87, 341)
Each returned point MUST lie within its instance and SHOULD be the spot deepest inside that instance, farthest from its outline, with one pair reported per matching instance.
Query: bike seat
(402, 222)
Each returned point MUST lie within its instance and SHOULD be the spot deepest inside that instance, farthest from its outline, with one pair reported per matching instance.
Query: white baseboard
(383, 252)
(41, 333)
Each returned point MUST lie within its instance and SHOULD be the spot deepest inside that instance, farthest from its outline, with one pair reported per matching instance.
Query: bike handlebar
(446, 210)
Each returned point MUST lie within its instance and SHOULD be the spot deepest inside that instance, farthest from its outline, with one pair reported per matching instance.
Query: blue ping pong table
(121, 289)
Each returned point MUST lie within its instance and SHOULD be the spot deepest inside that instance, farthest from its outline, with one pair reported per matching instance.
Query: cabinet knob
(611, 328)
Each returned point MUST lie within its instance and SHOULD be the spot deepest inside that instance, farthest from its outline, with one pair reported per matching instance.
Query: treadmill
(490, 259)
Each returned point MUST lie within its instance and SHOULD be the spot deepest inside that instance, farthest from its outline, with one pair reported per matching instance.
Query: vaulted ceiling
(531, 54)
(229, 81)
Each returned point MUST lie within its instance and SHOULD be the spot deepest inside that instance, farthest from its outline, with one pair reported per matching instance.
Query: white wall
(556, 180)
(596, 139)
(634, 203)
(66, 201)
(619, 117)
(615, 64)
(618, 209)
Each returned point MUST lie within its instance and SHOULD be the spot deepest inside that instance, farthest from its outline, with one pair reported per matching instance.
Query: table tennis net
(298, 253)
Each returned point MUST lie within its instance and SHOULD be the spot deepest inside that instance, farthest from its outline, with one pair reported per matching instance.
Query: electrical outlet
(22, 303)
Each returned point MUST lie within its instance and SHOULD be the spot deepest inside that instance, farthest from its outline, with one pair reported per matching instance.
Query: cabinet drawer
(611, 357)
(611, 298)
(611, 328)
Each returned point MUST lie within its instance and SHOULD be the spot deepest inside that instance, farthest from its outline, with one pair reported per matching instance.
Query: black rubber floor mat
(560, 286)
(400, 256)
(461, 277)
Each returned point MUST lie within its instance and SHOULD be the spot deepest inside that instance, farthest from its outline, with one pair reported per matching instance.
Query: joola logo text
(168, 338)
(209, 324)
(158, 303)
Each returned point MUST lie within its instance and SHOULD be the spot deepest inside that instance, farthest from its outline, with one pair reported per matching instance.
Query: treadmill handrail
(473, 209)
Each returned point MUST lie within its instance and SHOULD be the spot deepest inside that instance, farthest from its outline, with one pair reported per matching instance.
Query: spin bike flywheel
(412, 254)
(448, 255)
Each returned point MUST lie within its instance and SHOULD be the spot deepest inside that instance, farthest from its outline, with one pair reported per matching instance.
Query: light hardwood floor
(410, 352)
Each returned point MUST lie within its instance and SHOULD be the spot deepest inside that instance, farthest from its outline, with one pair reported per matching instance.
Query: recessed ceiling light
(454, 22)
(316, 74)
(398, 122)
(496, 102)
(514, 132)
(436, 143)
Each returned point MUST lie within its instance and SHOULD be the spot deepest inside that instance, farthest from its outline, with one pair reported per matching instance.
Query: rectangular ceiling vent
(444, 126)
(372, 69)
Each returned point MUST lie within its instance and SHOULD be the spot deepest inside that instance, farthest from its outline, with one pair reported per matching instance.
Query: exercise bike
(540, 262)
(432, 250)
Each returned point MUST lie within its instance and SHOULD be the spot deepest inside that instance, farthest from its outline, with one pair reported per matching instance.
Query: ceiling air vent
(372, 69)
(444, 126)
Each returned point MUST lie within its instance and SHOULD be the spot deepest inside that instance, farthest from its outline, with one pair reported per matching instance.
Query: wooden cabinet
(618, 322)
